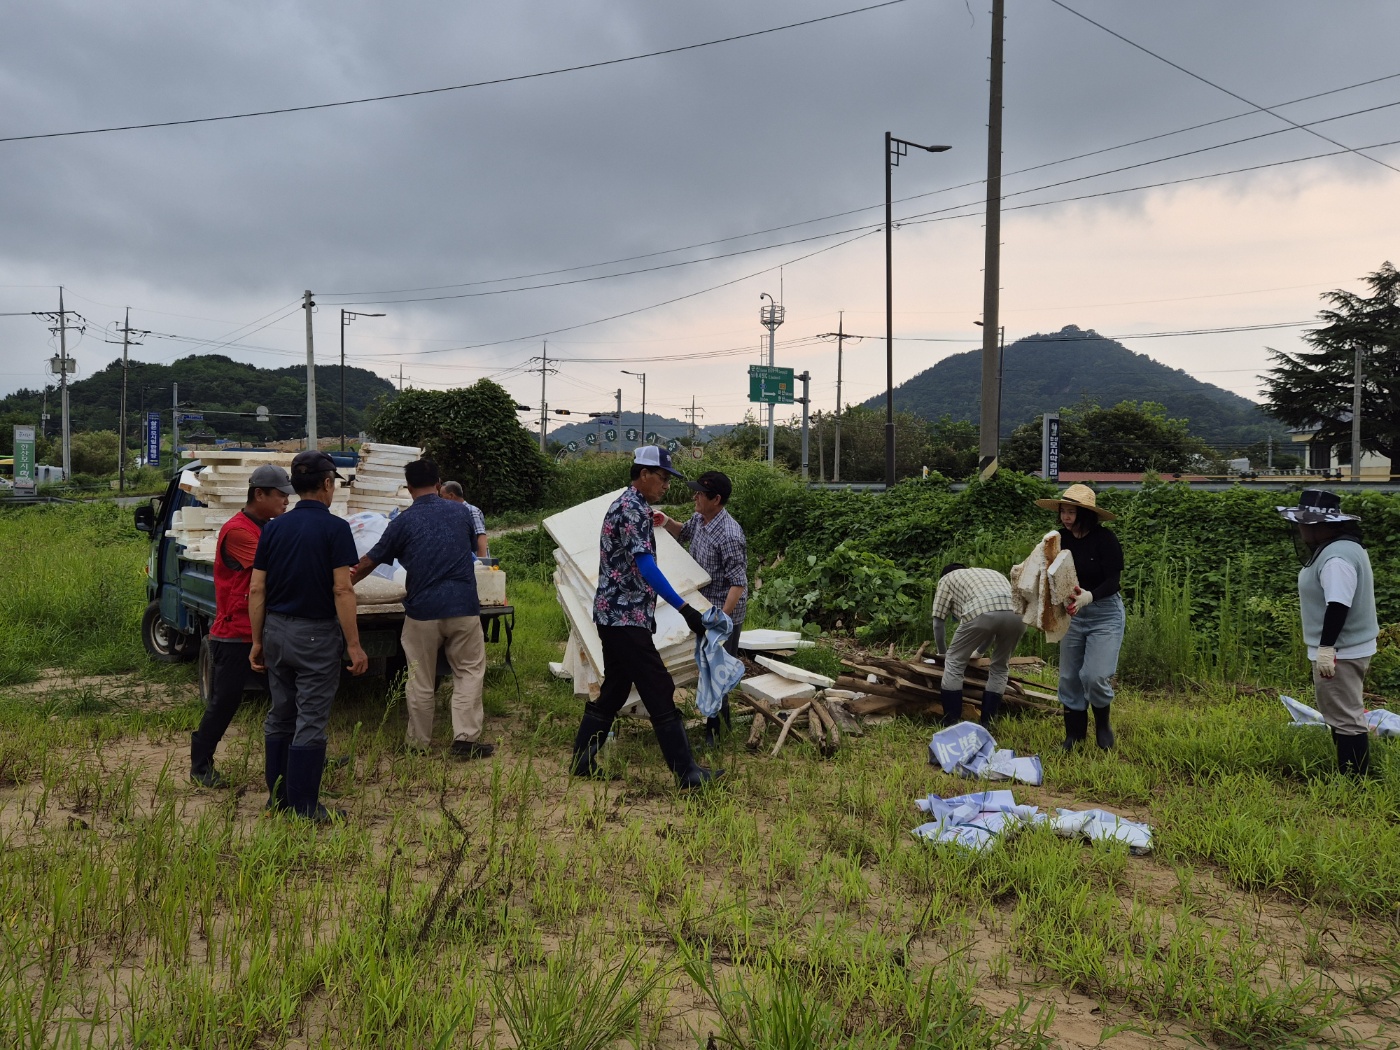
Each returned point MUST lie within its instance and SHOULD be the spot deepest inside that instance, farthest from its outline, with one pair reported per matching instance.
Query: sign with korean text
(1050, 447)
(153, 438)
(24, 459)
(633, 433)
(770, 385)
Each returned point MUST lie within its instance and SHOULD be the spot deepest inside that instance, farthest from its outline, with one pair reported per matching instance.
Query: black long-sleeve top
(1098, 560)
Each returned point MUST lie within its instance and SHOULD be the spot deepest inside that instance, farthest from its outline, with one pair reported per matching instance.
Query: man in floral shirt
(624, 610)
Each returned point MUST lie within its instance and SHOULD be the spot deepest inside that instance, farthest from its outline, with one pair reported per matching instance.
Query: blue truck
(180, 599)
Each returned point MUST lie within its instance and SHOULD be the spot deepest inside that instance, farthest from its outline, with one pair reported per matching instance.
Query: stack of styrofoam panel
(222, 486)
(576, 531)
(379, 484)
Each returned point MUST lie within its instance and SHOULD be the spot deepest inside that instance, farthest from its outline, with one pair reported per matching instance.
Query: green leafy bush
(851, 590)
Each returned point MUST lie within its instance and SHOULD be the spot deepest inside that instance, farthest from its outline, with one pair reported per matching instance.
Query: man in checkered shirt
(980, 600)
(718, 545)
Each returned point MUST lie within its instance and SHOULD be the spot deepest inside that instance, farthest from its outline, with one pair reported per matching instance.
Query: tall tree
(1314, 388)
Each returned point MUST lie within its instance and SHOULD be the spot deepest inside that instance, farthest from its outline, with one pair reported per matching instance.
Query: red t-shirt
(233, 574)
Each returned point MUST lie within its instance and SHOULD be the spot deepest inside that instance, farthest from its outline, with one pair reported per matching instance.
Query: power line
(455, 87)
(1210, 83)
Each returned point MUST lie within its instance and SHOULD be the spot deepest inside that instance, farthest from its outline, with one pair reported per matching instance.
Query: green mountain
(1048, 373)
(209, 384)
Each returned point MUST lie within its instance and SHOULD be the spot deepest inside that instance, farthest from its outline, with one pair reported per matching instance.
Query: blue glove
(646, 565)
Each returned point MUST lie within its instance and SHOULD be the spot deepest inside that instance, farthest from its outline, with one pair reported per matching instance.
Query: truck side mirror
(145, 519)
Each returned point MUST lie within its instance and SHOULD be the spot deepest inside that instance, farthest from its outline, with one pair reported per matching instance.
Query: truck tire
(164, 644)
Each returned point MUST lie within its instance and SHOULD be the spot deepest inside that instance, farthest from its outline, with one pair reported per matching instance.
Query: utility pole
(308, 306)
(175, 426)
(806, 378)
(1356, 418)
(127, 332)
(400, 377)
(544, 407)
(990, 422)
(618, 430)
(64, 367)
(770, 316)
(840, 335)
(693, 413)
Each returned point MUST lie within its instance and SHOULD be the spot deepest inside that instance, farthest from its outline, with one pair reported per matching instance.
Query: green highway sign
(769, 385)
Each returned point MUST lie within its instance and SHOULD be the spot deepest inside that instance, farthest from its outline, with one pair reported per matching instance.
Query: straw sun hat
(1076, 496)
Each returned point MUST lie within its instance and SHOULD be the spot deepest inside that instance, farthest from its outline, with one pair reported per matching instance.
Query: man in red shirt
(231, 635)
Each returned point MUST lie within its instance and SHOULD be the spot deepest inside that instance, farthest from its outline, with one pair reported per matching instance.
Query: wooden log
(833, 735)
(873, 705)
(755, 739)
(815, 729)
(767, 712)
(787, 727)
(842, 717)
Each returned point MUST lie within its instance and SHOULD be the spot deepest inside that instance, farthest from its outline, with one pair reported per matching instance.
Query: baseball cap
(655, 456)
(270, 476)
(314, 462)
(713, 483)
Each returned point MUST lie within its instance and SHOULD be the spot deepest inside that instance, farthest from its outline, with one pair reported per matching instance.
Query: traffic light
(522, 408)
(562, 412)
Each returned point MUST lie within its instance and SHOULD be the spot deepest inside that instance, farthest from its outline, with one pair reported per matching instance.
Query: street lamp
(643, 377)
(770, 316)
(346, 316)
(894, 149)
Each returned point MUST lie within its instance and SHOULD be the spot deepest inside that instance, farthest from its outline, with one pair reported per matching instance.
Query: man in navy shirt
(434, 540)
(301, 605)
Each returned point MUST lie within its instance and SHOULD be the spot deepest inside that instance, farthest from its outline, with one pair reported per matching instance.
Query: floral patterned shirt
(624, 599)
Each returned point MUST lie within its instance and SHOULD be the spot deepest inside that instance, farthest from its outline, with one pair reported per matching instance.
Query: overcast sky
(211, 231)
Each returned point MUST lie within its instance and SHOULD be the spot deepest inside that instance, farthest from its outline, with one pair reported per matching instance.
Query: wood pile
(914, 687)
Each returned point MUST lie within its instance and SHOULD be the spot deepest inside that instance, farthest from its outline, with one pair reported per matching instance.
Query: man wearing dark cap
(433, 539)
(718, 545)
(1337, 598)
(624, 610)
(302, 610)
(230, 638)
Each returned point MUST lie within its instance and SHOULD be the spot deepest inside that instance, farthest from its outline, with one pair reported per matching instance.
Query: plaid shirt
(722, 551)
(968, 593)
(623, 598)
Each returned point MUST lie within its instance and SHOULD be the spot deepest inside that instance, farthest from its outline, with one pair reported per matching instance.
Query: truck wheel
(164, 644)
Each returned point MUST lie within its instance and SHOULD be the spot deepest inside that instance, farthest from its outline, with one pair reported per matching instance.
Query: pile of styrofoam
(379, 484)
(222, 486)
(576, 531)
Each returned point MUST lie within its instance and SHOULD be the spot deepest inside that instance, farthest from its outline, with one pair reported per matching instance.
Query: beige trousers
(462, 640)
(1339, 697)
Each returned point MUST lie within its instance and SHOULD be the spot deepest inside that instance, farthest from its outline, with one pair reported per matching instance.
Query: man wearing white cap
(624, 610)
(1336, 595)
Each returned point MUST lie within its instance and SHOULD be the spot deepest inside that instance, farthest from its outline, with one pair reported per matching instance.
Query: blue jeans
(1089, 654)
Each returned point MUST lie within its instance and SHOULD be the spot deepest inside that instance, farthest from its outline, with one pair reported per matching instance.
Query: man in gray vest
(1340, 628)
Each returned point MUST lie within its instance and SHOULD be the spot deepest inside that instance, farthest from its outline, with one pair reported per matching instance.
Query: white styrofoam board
(577, 529)
(768, 639)
(796, 674)
(775, 688)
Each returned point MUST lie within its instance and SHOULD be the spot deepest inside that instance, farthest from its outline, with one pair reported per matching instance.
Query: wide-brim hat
(1316, 507)
(1077, 496)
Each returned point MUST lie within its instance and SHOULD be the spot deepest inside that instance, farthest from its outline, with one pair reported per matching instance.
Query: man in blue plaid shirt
(718, 545)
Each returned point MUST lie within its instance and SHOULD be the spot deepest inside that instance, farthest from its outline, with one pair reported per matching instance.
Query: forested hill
(1047, 373)
(210, 383)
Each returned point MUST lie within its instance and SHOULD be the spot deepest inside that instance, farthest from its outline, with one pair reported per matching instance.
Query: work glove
(1082, 600)
(692, 619)
(1327, 660)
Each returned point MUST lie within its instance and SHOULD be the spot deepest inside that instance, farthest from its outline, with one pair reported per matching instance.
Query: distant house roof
(1116, 475)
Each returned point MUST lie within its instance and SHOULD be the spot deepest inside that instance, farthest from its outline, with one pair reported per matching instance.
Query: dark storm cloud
(589, 166)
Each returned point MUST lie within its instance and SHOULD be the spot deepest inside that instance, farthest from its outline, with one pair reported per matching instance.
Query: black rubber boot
(1103, 732)
(1076, 728)
(275, 770)
(952, 700)
(592, 735)
(991, 707)
(304, 768)
(675, 748)
(718, 724)
(1353, 754)
(202, 770)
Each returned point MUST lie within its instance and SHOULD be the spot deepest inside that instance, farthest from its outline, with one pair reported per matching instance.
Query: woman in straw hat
(1089, 651)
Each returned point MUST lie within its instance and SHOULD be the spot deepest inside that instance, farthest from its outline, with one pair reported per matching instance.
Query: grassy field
(500, 904)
